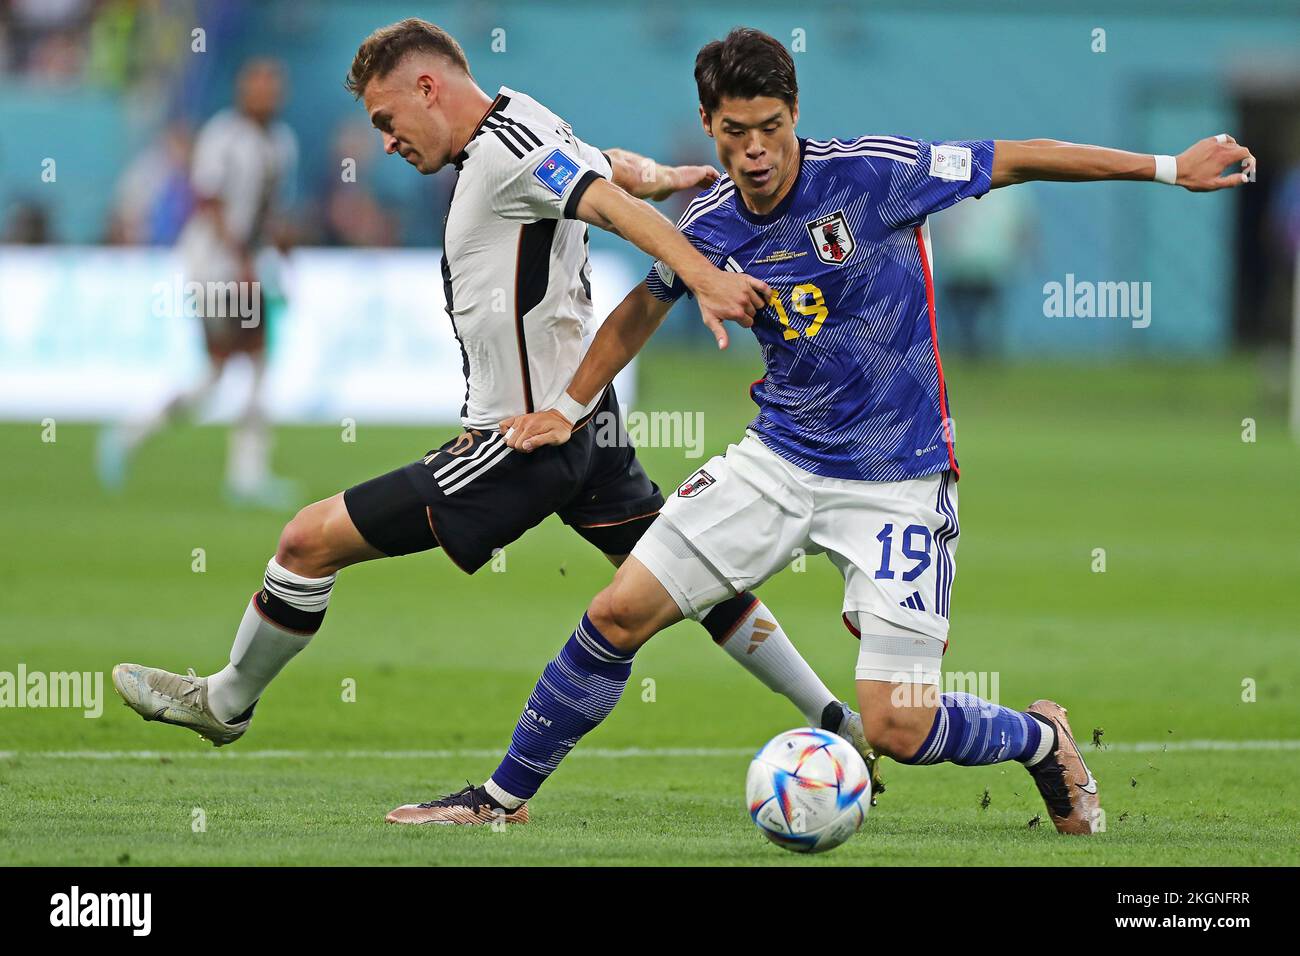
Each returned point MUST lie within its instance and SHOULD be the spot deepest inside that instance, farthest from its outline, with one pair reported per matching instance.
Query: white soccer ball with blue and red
(808, 790)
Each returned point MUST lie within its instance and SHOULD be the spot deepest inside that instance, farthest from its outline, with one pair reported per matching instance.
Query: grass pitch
(1188, 636)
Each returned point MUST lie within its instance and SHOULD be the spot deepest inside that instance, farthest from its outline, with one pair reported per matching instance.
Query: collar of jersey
(501, 101)
(763, 219)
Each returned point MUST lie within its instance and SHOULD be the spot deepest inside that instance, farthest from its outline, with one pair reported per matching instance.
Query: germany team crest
(831, 237)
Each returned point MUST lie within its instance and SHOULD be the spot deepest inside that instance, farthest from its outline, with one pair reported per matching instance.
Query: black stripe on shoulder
(509, 145)
(536, 140)
(513, 130)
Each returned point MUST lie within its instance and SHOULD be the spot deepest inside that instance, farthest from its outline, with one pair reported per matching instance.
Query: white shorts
(748, 514)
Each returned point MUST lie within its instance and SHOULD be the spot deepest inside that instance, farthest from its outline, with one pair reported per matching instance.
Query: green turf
(1200, 594)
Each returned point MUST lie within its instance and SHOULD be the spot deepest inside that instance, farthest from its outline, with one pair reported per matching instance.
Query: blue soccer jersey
(853, 387)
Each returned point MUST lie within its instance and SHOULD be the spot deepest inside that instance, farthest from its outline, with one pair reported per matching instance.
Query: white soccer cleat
(841, 719)
(177, 699)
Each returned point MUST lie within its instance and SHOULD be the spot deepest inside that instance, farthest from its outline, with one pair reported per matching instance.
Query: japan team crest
(831, 238)
(693, 485)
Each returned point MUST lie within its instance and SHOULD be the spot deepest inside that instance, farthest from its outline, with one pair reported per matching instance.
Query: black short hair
(748, 63)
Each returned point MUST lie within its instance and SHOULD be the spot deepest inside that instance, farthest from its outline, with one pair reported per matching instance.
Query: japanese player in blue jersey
(851, 453)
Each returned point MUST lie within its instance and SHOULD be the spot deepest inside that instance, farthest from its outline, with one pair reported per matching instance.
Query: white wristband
(1166, 170)
(570, 408)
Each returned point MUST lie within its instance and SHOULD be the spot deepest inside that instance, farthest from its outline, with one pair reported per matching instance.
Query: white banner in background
(365, 336)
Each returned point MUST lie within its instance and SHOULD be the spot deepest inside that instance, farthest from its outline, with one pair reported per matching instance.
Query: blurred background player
(242, 159)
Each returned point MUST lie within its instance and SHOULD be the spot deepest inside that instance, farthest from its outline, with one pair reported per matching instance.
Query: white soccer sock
(506, 799)
(248, 461)
(261, 647)
(1046, 742)
(759, 644)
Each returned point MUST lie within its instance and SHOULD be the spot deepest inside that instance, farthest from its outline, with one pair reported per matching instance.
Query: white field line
(606, 753)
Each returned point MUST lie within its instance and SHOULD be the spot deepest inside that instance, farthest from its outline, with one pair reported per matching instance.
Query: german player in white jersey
(516, 235)
(851, 454)
(244, 160)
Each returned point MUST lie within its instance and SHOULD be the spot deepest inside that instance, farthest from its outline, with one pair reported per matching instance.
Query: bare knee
(896, 718)
(619, 620)
(303, 547)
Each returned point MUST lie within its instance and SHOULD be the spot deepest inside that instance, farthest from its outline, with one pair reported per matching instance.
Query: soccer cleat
(175, 699)
(841, 719)
(1068, 787)
(468, 807)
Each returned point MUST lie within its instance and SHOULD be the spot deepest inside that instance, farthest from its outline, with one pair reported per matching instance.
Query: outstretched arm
(722, 296)
(620, 338)
(642, 177)
(1198, 168)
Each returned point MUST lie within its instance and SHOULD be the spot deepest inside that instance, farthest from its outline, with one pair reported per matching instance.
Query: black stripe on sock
(285, 615)
(721, 621)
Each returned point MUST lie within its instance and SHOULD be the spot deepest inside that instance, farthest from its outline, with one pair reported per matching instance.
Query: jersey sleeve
(540, 174)
(662, 281)
(940, 175)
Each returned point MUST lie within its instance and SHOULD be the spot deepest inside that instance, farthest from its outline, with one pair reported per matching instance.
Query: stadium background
(1075, 434)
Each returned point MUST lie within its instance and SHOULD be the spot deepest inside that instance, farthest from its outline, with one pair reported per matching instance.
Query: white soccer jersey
(514, 267)
(244, 165)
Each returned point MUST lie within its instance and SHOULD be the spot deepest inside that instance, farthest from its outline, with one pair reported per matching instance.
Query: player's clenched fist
(527, 432)
(730, 297)
(1201, 165)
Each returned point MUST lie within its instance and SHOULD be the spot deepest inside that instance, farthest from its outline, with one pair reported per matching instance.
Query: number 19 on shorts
(914, 544)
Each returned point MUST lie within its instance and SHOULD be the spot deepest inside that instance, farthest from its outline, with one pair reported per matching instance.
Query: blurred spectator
(48, 37)
(28, 225)
(977, 248)
(154, 197)
(6, 56)
(1279, 274)
(1284, 216)
(352, 215)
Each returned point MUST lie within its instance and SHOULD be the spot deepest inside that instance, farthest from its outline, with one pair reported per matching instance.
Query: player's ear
(706, 122)
(794, 113)
(428, 86)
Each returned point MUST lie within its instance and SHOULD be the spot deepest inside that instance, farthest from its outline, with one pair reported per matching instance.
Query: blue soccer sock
(972, 732)
(576, 692)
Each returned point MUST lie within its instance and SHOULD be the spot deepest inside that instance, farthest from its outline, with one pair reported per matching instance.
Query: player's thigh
(390, 514)
(895, 543)
(615, 501)
(730, 526)
(472, 497)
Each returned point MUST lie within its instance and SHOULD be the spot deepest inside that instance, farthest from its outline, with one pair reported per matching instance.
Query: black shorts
(475, 495)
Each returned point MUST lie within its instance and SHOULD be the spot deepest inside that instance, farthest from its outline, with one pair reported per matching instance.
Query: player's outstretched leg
(577, 690)
(915, 724)
(278, 622)
(117, 443)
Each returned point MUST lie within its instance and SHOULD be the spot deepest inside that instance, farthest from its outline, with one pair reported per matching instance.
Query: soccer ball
(808, 790)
